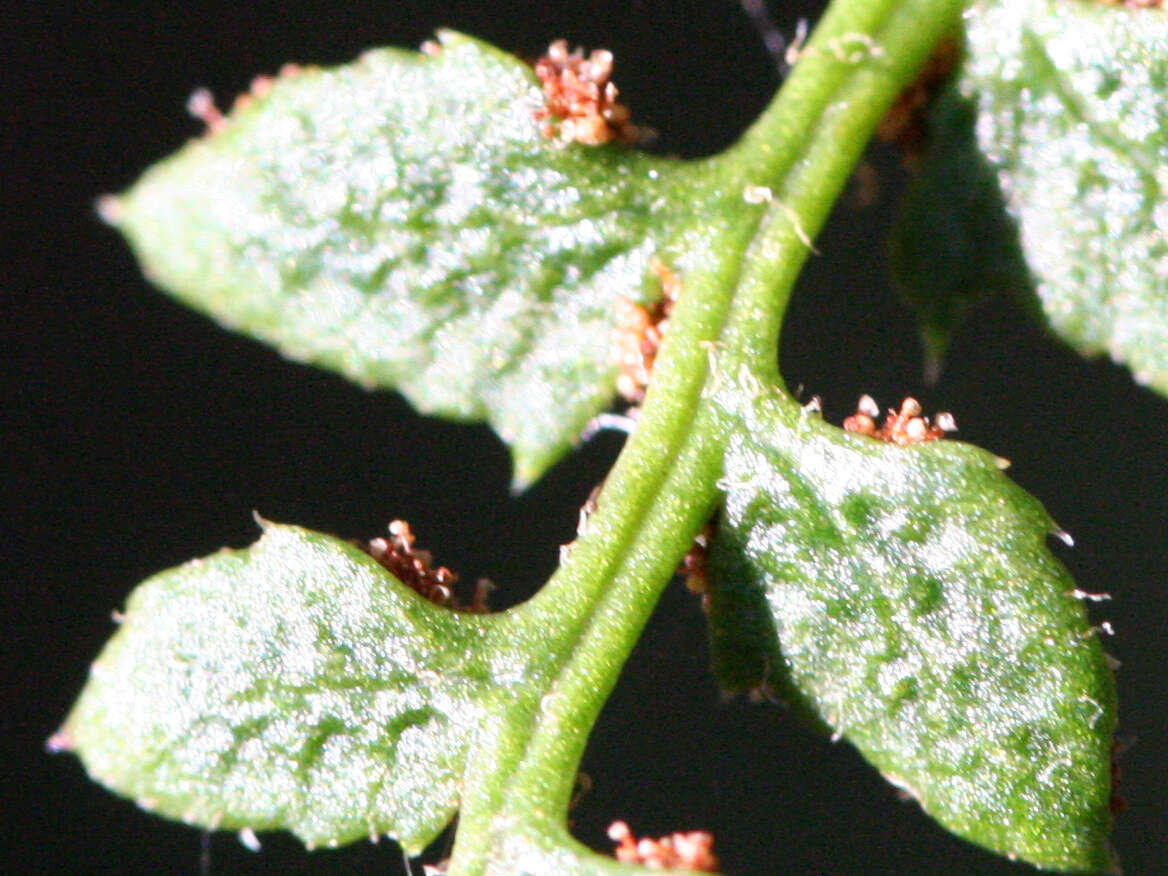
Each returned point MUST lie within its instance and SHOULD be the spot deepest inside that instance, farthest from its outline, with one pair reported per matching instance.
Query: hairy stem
(786, 172)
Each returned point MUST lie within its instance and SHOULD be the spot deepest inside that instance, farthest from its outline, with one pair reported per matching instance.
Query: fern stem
(779, 181)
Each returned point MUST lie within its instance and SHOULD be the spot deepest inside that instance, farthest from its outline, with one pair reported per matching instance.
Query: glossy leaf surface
(906, 597)
(1069, 132)
(403, 220)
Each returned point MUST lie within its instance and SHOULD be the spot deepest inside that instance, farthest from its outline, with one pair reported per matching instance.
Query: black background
(137, 435)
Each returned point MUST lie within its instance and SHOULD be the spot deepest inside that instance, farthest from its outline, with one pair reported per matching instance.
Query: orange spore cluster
(693, 568)
(639, 332)
(692, 851)
(415, 569)
(580, 99)
(905, 426)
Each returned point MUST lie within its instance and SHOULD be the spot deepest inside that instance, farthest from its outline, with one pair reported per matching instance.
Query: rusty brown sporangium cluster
(906, 426)
(639, 332)
(694, 571)
(580, 99)
(415, 569)
(692, 851)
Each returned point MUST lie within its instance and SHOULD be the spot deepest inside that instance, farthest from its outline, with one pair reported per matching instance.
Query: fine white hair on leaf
(249, 840)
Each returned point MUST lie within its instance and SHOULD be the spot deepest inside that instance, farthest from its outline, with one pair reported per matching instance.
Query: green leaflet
(1065, 123)
(403, 221)
(294, 685)
(298, 685)
(907, 596)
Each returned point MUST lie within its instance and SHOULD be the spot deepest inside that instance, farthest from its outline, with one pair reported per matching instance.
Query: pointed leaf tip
(61, 741)
(109, 210)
